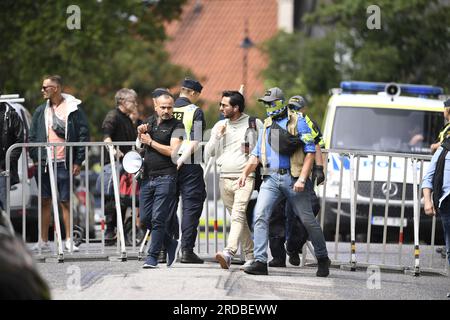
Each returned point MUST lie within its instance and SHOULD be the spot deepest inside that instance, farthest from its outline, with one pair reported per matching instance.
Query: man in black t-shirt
(117, 126)
(161, 136)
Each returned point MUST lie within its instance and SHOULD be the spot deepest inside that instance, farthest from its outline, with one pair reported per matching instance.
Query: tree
(411, 46)
(302, 66)
(119, 44)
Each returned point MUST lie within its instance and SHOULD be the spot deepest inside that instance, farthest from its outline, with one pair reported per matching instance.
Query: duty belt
(279, 171)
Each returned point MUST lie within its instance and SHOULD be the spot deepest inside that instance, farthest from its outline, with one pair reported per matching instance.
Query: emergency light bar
(413, 89)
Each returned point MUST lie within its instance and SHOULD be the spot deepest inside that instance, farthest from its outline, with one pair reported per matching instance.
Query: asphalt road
(92, 280)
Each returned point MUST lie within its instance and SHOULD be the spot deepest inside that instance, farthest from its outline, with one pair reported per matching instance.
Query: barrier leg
(416, 270)
(55, 207)
(143, 244)
(352, 215)
(338, 217)
(123, 253)
(102, 196)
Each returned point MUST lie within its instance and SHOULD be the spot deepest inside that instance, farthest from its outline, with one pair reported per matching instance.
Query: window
(390, 130)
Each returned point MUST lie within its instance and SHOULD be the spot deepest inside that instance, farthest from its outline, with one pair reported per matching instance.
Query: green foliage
(302, 66)
(412, 46)
(120, 44)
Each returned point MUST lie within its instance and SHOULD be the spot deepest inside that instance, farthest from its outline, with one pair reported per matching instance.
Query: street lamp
(246, 44)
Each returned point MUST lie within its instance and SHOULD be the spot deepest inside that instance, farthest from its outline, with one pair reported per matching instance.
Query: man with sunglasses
(286, 150)
(59, 119)
(230, 142)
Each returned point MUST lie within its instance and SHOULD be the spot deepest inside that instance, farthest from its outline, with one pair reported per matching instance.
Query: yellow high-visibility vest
(186, 115)
(444, 132)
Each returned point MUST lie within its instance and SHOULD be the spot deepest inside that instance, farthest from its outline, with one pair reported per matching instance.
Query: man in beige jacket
(231, 141)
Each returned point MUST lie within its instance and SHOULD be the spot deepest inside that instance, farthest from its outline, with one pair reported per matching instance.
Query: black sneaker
(294, 258)
(162, 257)
(257, 268)
(277, 263)
(323, 267)
(188, 256)
(110, 233)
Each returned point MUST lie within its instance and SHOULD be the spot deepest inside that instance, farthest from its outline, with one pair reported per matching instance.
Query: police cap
(192, 84)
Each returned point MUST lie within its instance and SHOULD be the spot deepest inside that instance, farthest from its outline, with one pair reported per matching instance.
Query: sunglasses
(46, 87)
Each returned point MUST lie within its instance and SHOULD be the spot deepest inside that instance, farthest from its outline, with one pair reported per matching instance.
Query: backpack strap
(446, 144)
(252, 123)
(251, 127)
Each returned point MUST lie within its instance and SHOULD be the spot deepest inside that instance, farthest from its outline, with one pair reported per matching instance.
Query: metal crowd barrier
(89, 250)
(361, 193)
(414, 258)
(96, 248)
(347, 253)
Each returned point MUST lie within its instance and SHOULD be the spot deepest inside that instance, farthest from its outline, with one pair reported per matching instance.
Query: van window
(389, 130)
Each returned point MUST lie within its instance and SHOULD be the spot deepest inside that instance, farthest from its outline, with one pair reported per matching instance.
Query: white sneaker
(246, 264)
(75, 248)
(224, 258)
(45, 247)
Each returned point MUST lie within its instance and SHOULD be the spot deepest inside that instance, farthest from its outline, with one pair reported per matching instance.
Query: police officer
(190, 183)
(286, 150)
(284, 225)
(445, 131)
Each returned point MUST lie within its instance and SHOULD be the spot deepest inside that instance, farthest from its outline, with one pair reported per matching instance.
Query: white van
(379, 117)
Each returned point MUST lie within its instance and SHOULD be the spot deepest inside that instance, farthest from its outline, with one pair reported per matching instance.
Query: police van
(378, 117)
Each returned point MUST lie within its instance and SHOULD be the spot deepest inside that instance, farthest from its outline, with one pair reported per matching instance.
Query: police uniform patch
(178, 115)
(307, 138)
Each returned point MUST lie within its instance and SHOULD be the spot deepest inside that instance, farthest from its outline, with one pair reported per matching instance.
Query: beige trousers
(236, 200)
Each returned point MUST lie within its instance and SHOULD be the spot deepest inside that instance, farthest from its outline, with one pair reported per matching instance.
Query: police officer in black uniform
(190, 183)
(284, 226)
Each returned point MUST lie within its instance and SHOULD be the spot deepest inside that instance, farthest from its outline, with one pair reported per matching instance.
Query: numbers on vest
(178, 115)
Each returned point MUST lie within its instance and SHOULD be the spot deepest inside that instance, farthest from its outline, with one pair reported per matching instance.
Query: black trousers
(110, 212)
(191, 188)
(286, 227)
